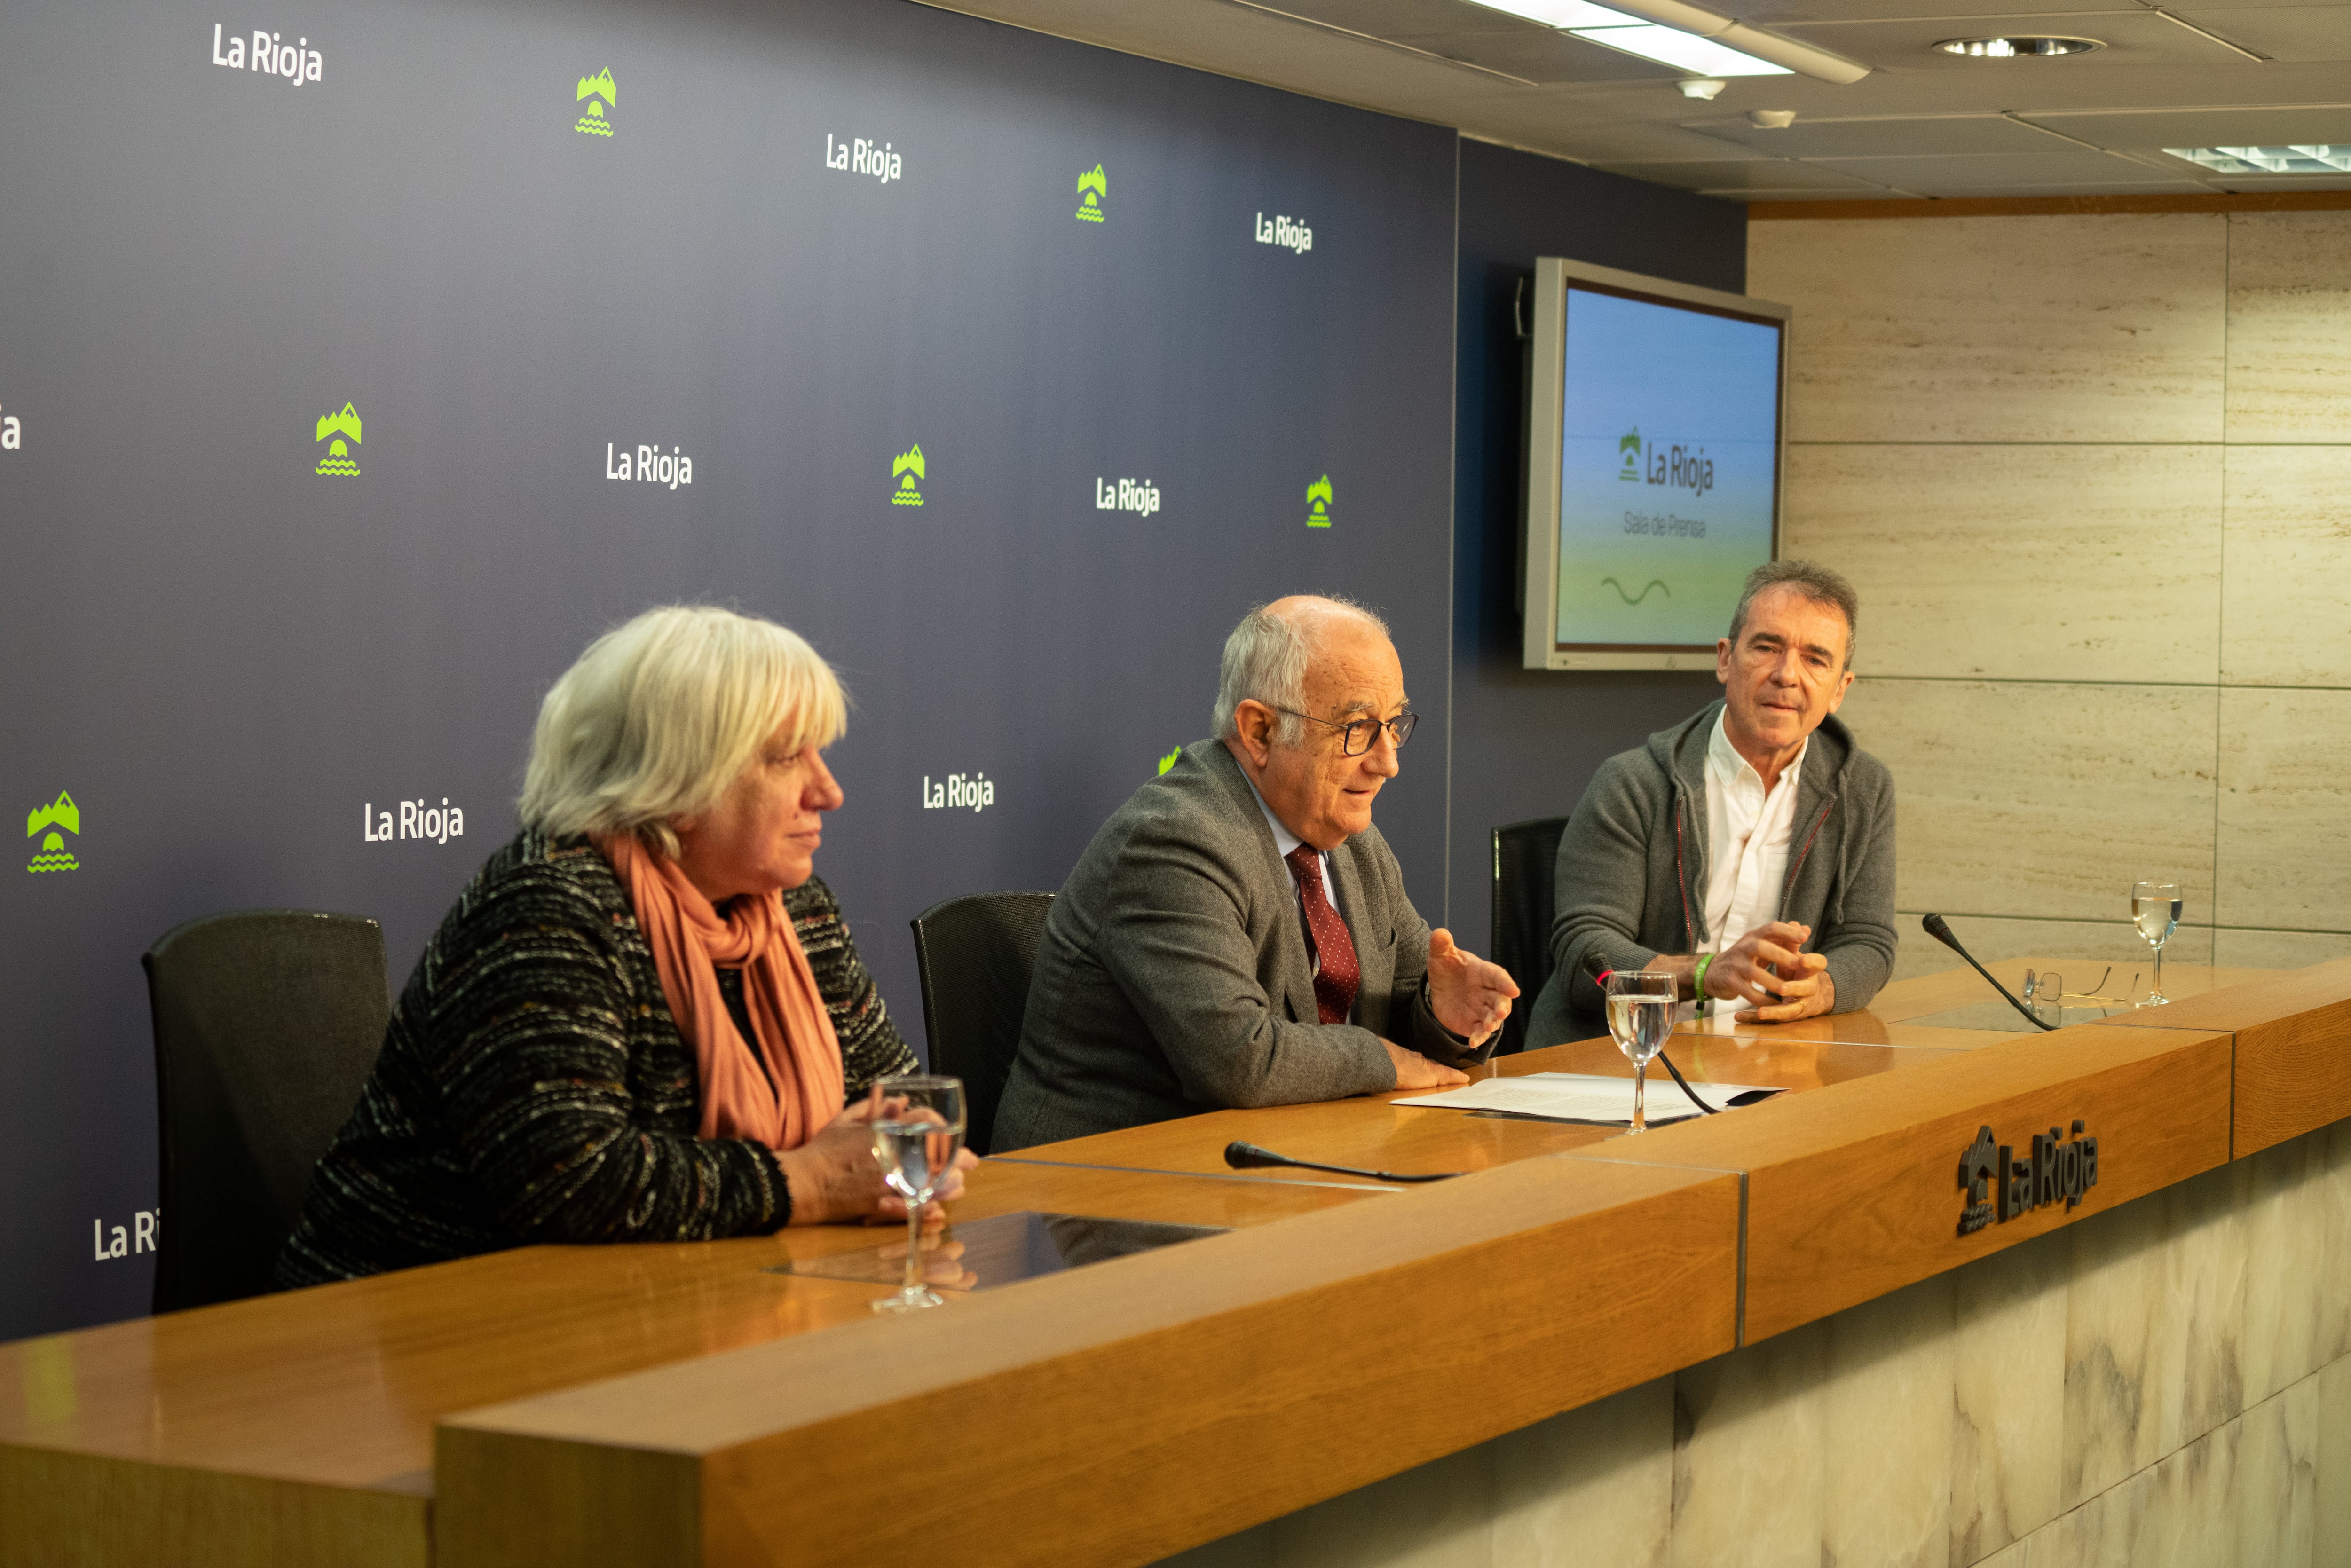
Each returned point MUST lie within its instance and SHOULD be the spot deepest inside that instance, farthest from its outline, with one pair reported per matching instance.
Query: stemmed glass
(1640, 1016)
(914, 1142)
(2155, 910)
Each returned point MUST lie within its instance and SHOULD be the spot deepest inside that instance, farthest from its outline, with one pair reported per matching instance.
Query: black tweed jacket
(533, 1087)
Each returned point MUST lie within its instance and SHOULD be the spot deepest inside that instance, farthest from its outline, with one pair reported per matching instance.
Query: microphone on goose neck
(1935, 925)
(1243, 1156)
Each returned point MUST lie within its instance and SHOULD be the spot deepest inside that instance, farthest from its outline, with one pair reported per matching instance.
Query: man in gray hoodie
(1748, 849)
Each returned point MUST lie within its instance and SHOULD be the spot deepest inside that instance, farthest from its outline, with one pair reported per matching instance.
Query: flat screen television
(1654, 439)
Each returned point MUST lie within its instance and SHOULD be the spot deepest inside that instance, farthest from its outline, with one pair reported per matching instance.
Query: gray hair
(1266, 658)
(1817, 583)
(660, 716)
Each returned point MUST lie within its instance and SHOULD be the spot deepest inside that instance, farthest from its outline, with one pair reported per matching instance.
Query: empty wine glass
(1640, 1016)
(2155, 910)
(914, 1142)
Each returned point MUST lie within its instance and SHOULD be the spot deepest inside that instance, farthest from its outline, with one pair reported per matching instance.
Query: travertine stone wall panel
(2098, 563)
(2289, 327)
(2044, 799)
(2283, 828)
(2012, 329)
(2286, 600)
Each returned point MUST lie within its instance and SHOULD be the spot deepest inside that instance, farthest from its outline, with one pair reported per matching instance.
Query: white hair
(1266, 659)
(660, 716)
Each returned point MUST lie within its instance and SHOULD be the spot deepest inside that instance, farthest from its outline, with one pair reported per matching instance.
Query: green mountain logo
(1094, 189)
(337, 459)
(1629, 445)
(1169, 761)
(598, 90)
(53, 855)
(907, 469)
(1318, 502)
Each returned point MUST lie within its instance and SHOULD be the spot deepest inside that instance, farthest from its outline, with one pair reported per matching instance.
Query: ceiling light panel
(1397, 18)
(1682, 50)
(1540, 55)
(2315, 158)
(1565, 13)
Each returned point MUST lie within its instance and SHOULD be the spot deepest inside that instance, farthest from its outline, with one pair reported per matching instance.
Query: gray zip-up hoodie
(1633, 869)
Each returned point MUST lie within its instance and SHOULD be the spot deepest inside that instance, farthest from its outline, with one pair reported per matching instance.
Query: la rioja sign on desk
(2057, 1171)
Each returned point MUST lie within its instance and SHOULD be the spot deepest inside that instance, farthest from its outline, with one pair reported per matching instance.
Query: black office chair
(267, 1022)
(976, 954)
(1526, 861)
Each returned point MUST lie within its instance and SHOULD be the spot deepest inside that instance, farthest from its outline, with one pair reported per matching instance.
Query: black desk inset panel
(1001, 1250)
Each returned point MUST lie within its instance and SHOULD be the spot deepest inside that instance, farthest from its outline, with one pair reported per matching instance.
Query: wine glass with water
(914, 1142)
(2155, 910)
(1640, 1016)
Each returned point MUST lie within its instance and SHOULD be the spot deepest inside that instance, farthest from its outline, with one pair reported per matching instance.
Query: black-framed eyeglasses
(1356, 735)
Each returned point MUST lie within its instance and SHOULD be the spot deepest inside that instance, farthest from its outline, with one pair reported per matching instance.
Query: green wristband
(1699, 979)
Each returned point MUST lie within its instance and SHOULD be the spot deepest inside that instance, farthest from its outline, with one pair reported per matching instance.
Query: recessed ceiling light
(2312, 160)
(2023, 47)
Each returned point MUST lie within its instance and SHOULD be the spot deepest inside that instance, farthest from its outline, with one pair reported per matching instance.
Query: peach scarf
(689, 940)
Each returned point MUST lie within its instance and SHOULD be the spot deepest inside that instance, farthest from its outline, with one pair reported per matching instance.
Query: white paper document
(1582, 1097)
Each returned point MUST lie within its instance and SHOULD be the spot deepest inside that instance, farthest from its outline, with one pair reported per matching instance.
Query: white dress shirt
(1747, 835)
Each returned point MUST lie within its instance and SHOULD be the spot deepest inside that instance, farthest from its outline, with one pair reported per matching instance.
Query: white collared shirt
(1746, 840)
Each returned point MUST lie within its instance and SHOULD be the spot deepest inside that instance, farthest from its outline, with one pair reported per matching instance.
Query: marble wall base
(2167, 1384)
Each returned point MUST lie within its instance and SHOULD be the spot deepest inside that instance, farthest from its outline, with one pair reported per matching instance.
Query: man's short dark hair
(1817, 583)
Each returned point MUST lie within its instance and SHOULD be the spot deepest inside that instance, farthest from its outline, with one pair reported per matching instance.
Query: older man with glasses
(1237, 934)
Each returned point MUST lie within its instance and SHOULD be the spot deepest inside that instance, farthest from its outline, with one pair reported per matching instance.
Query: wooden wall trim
(2052, 206)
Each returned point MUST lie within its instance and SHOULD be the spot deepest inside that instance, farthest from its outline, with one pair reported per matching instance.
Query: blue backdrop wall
(325, 391)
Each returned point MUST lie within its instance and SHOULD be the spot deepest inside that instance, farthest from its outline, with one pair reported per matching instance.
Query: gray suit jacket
(1173, 976)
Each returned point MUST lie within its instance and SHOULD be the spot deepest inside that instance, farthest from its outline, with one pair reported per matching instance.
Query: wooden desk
(1119, 1413)
(2292, 1034)
(1372, 1132)
(298, 1427)
(678, 1404)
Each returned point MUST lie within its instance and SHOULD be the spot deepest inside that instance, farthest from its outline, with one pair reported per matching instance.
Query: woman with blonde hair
(645, 1020)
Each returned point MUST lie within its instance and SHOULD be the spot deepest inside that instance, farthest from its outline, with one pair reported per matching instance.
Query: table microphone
(1935, 925)
(1245, 1156)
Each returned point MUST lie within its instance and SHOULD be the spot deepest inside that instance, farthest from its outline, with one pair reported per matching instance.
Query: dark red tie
(1335, 982)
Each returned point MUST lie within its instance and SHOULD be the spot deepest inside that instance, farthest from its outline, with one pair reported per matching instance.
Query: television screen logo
(1094, 189)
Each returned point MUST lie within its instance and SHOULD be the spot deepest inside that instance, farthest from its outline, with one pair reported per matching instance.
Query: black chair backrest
(976, 954)
(267, 1022)
(1526, 863)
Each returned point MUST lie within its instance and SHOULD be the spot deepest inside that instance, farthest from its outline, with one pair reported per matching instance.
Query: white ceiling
(2204, 73)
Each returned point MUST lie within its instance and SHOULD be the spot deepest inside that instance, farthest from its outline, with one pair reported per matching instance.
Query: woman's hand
(833, 1178)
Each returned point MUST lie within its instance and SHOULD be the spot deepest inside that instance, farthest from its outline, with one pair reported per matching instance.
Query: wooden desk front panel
(1854, 1194)
(1245, 1375)
(2294, 1049)
(298, 1429)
